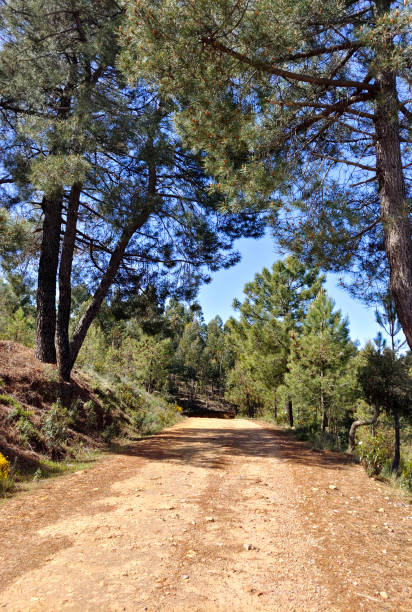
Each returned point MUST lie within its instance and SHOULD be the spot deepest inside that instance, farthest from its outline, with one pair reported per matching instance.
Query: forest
(139, 141)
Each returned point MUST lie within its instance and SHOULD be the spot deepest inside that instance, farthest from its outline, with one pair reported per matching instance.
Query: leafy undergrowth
(374, 450)
(40, 438)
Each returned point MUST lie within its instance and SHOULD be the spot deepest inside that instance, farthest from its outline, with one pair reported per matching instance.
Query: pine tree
(318, 377)
(387, 319)
(387, 387)
(189, 359)
(303, 104)
(56, 64)
(275, 305)
(132, 204)
(218, 356)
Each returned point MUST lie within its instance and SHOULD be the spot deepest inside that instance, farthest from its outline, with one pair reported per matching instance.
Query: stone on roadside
(247, 546)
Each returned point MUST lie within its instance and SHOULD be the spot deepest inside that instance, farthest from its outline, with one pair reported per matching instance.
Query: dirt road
(222, 515)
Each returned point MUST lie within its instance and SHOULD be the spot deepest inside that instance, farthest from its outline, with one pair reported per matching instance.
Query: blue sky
(217, 297)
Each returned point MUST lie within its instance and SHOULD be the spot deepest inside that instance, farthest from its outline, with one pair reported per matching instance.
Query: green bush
(374, 451)
(8, 400)
(21, 417)
(55, 426)
(405, 478)
(27, 431)
(90, 413)
(322, 439)
(112, 431)
(19, 327)
(137, 420)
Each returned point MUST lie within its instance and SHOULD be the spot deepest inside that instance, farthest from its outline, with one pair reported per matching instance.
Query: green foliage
(8, 400)
(49, 174)
(22, 420)
(18, 327)
(283, 96)
(374, 451)
(321, 375)
(274, 306)
(245, 391)
(321, 439)
(16, 311)
(110, 432)
(55, 426)
(385, 379)
(405, 478)
(17, 242)
(90, 412)
(146, 412)
(27, 432)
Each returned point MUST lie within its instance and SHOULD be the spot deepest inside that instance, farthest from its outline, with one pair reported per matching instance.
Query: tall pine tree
(303, 103)
(275, 305)
(318, 376)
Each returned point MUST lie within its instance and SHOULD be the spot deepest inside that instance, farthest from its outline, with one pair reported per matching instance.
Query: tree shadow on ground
(212, 448)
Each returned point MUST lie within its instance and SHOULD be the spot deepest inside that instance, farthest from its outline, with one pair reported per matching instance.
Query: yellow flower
(4, 468)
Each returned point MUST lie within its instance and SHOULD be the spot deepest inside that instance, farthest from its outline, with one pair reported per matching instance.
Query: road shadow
(212, 448)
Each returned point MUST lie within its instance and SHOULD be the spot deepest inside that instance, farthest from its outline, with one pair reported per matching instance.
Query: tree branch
(287, 74)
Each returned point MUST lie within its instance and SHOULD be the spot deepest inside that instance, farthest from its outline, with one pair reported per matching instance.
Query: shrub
(4, 468)
(55, 426)
(90, 413)
(110, 432)
(18, 412)
(406, 474)
(25, 428)
(27, 431)
(8, 400)
(374, 451)
(137, 420)
(6, 480)
(19, 327)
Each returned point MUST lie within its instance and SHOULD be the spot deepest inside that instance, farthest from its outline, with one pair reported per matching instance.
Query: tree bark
(101, 292)
(44, 347)
(275, 408)
(397, 453)
(65, 288)
(356, 424)
(289, 411)
(137, 221)
(323, 407)
(392, 194)
(325, 421)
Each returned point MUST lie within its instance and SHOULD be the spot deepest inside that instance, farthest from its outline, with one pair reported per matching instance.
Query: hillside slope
(35, 427)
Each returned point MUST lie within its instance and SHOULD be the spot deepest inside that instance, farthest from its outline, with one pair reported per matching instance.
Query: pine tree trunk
(139, 219)
(397, 453)
(322, 407)
(324, 420)
(101, 292)
(275, 409)
(44, 347)
(289, 411)
(394, 214)
(65, 290)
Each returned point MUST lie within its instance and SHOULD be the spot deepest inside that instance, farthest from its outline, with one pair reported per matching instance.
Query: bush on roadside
(375, 451)
(6, 480)
(55, 425)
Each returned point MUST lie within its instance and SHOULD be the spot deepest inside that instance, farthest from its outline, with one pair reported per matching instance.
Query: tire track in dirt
(209, 515)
